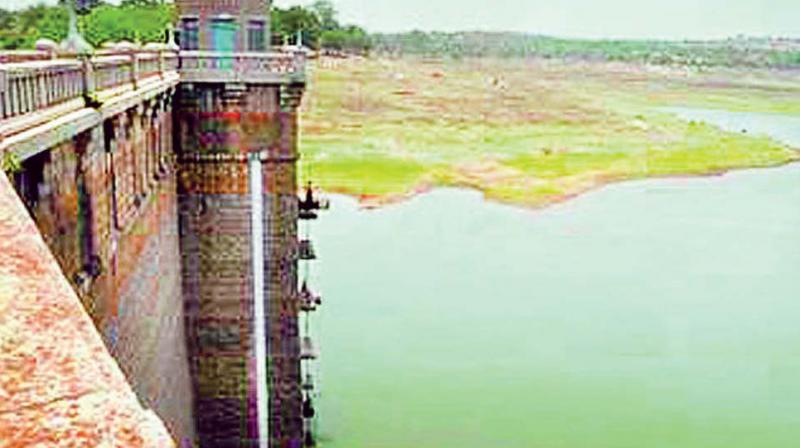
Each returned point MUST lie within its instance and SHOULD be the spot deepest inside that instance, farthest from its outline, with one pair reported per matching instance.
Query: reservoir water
(661, 313)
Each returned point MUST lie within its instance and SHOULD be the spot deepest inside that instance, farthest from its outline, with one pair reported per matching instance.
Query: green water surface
(658, 313)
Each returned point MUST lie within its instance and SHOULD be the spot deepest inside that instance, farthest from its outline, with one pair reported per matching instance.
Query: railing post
(87, 71)
(162, 62)
(26, 90)
(13, 100)
(41, 90)
(3, 93)
(134, 70)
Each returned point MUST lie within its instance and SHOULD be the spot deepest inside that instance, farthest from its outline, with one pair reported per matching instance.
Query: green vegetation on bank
(527, 132)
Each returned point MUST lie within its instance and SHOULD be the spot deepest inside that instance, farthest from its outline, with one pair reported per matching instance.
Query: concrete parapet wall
(59, 386)
(104, 201)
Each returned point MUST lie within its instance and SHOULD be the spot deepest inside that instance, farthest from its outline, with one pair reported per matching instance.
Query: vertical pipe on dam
(257, 242)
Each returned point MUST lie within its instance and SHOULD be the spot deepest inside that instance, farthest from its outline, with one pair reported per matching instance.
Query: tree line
(99, 22)
(320, 29)
(147, 21)
(734, 52)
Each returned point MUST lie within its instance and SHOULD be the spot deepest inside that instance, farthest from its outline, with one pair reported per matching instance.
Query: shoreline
(532, 136)
(374, 202)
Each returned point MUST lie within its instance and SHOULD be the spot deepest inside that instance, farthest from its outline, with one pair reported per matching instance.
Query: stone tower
(236, 140)
(224, 25)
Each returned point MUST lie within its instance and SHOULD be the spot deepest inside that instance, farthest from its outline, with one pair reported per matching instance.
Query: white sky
(579, 18)
(570, 18)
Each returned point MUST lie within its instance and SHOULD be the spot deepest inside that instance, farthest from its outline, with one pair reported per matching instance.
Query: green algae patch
(525, 132)
(369, 175)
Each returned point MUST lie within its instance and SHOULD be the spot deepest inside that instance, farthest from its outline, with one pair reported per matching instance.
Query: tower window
(256, 36)
(223, 34)
(190, 34)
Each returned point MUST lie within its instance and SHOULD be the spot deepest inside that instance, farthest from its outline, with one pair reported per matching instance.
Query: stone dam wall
(136, 177)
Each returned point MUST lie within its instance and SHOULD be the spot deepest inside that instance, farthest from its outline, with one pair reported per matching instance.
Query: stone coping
(59, 385)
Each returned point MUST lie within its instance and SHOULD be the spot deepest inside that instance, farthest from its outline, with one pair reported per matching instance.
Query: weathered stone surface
(59, 386)
(104, 202)
(216, 248)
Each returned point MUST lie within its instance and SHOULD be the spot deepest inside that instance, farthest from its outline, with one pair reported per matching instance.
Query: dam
(162, 180)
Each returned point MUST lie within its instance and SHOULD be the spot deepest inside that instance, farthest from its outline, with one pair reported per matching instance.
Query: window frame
(257, 35)
(190, 35)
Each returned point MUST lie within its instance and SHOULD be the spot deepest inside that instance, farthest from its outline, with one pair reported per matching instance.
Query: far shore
(528, 133)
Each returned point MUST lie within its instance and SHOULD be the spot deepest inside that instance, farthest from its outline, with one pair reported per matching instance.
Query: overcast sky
(580, 18)
(571, 18)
